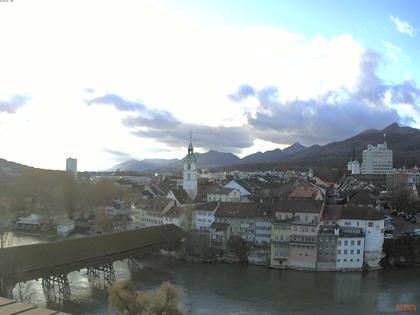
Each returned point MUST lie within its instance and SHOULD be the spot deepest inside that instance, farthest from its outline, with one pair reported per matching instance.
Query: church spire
(190, 147)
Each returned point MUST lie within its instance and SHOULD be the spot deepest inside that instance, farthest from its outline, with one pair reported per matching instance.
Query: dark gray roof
(157, 203)
(206, 206)
(219, 226)
(250, 210)
(351, 212)
(221, 190)
(181, 195)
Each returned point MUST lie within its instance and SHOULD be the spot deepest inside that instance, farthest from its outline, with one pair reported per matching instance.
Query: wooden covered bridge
(51, 262)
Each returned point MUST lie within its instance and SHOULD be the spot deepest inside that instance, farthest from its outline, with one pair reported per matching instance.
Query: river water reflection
(233, 289)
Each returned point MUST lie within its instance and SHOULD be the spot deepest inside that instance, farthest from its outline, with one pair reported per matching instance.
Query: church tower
(190, 172)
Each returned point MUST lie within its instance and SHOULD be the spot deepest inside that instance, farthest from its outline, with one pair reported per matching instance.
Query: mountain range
(404, 141)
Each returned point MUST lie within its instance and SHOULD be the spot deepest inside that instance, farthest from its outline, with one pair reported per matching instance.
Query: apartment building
(295, 234)
(377, 159)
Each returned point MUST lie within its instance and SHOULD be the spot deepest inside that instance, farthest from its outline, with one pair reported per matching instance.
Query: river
(235, 289)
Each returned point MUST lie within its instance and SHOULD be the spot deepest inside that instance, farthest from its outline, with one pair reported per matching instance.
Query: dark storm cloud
(14, 103)
(156, 119)
(228, 139)
(370, 87)
(162, 126)
(242, 93)
(337, 114)
(118, 102)
(406, 93)
(312, 122)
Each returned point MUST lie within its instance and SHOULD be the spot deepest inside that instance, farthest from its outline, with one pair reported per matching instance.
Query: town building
(244, 192)
(176, 215)
(360, 235)
(180, 196)
(224, 194)
(377, 160)
(203, 215)
(71, 166)
(295, 234)
(306, 190)
(65, 227)
(151, 214)
(220, 233)
(190, 177)
(327, 237)
(354, 167)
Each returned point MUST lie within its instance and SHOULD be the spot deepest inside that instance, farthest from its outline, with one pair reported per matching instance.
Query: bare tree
(24, 292)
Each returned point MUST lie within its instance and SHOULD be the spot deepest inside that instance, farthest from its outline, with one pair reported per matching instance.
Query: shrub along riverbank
(401, 252)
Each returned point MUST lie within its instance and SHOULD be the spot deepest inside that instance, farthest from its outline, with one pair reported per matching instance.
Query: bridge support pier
(133, 265)
(6, 288)
(107, 269)
(59, 281)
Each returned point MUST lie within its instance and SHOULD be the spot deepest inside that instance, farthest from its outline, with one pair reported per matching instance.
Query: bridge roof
(36, 257)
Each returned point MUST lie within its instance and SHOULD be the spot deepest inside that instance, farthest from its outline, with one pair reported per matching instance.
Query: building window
(358, 251)
(352, 243)
(346, 243)
(339, 243)
(370, 224)
(358, 242)
(352, 252)
(345, 252)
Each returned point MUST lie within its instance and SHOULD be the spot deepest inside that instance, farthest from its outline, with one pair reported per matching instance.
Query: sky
(108, 81)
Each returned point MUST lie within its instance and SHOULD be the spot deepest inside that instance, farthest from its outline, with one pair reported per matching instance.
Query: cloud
(13, 104)
(335, 115)
(242, 93)
(318, 121)
(406, 93)
(162, 126)
(227, 139)
(89, 90)
(118, 156)
(117, 101)
(392, 50)
(403, 26)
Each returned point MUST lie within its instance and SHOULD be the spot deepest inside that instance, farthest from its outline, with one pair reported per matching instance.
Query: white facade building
(354, 167)
(71, 166)
(189, 182)
(372, 225)
(203, 216)
(350, 249)
(233, 184)
(223, 194)
(377, 159)
(263, 230)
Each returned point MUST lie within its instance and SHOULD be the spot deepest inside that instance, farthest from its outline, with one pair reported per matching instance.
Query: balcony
(351, 232)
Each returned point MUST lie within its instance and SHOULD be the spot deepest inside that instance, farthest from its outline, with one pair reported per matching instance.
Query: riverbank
(401, 252)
